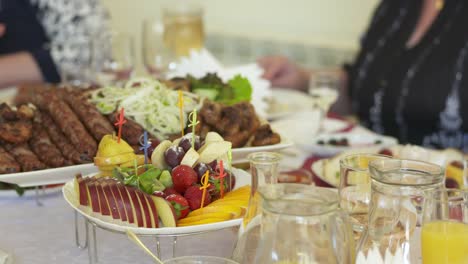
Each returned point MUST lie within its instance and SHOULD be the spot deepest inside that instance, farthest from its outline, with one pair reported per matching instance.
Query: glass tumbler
(399, 190)
(355, 188)
(444, 235)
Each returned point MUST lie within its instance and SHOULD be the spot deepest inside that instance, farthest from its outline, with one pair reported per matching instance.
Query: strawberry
(183, 176)
(180, 205)
(169, 191)
(215, 185)
(194, 195)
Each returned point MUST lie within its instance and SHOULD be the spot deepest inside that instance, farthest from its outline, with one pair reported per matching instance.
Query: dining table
(43, 231)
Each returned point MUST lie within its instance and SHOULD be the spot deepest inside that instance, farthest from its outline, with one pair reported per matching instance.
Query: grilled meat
(265, 136)
(43, 147)
(61, 141)
(25, 157)
(95, 122)
(15, 126)
(8, 164)
(131, 131)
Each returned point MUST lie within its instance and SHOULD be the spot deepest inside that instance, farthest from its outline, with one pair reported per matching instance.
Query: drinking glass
(400, 188)
(199, 260)
(183, 24)
(324, 87)
(158, 57)
(324, 90)
(444, 235)
(73, 60)
(355, 188)
(113, 57)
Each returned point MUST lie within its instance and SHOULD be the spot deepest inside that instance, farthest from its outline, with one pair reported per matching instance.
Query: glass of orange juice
(444, 236)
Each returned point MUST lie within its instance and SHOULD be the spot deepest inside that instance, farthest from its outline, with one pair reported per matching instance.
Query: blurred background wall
(313, 32)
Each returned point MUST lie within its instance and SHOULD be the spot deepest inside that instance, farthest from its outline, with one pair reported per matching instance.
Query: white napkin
(202, 62)
(5, 258)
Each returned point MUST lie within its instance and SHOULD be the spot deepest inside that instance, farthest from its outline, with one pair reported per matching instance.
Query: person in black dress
(410, 77)
(30, 29)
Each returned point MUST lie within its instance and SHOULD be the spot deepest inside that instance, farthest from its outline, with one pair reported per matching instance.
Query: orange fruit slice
(235, 211)
(218, 215)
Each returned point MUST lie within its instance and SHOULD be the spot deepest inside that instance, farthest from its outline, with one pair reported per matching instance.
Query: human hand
(2, 29)
(281, 72)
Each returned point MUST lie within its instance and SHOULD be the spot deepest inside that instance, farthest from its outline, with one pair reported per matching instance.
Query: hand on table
(282, 72)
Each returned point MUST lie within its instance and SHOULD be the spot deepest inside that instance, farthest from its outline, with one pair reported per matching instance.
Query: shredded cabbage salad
(149, 103)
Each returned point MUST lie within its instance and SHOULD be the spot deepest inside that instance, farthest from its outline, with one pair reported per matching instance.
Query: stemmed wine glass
(158, 57)
(113, 57)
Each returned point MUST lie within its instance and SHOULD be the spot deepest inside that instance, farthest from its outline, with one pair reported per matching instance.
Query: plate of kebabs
(50, 133)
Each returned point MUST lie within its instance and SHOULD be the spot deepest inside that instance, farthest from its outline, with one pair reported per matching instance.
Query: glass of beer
(183, 24)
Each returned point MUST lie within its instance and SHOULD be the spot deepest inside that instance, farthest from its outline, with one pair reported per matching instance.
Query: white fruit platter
(70, 194)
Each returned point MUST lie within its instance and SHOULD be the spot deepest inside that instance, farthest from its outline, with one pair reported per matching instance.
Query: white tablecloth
(45, 234)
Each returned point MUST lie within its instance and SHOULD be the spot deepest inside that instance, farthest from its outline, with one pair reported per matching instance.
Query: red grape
(174, 156)
(186, 142)
(154, 144)
(200, 169)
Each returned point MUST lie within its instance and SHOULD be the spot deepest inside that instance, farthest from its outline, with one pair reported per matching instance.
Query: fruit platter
(186, 186)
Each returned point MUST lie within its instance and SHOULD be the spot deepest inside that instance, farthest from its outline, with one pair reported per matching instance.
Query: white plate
(317, 169)
(285, 102)
(242, 178)
(48, 176)
(355, 141)
(239, 155)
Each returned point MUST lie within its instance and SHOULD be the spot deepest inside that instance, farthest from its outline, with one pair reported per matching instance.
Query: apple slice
(145, 207)
(119, 200)
(190, 158)
(136, 206)
(103, 204)
(93, 196)
(213, 150)
(110, 199)
(81, 190)
(213, 137)
(157, 158)
(165, 210)
(131, 215)
(153, 211)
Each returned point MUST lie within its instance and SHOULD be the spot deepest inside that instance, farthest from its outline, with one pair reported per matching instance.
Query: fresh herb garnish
(148, 181)
(237, 89)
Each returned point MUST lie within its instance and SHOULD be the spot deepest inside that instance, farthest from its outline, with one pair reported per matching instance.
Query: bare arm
(17, 68)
